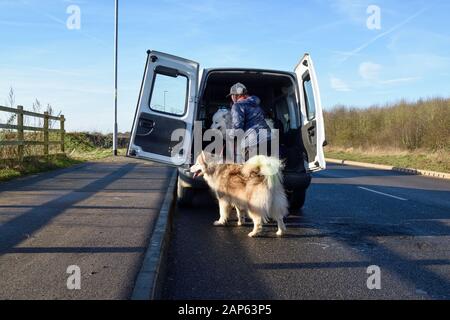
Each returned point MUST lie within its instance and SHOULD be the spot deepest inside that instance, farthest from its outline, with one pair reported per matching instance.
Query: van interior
(278, 100)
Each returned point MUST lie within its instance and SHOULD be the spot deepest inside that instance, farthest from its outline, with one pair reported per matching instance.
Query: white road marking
(384, 194)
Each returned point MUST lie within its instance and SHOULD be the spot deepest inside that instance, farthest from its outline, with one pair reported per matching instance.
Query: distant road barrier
(433, 174)
(21, 142)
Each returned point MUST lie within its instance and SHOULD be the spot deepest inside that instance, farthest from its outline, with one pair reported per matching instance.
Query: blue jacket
(249, 116)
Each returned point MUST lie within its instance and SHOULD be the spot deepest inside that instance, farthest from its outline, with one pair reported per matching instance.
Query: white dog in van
(222, 121)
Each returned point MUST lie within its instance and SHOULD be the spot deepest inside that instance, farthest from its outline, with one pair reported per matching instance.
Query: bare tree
(12, 104)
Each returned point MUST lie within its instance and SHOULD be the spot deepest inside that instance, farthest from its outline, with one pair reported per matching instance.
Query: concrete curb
(433, 174)
(148, 285)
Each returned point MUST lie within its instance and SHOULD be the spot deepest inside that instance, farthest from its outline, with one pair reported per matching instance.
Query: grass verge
(95, 154)
(432, 161)
(10, 169)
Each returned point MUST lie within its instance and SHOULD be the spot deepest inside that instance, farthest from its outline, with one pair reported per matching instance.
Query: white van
(174, 95)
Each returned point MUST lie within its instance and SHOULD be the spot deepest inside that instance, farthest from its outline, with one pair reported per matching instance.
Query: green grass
(80, 147)
(95, 154)
(33, 165)
(9, 174)
(433, 161)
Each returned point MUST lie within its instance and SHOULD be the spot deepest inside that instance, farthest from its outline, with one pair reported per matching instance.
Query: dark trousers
(258, 150)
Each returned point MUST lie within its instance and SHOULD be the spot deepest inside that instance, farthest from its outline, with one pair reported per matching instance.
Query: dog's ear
(203, 159)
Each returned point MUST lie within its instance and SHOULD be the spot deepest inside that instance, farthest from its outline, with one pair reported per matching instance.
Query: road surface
(353, 218)
(97, 216)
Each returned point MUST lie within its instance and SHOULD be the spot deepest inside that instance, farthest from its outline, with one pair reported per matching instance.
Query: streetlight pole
(116, 40)
(165, 92)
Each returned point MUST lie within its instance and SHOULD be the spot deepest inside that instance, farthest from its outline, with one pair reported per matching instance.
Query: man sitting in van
(247, 115)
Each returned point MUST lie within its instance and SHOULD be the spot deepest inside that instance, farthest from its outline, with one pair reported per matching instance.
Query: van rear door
(313, 128)
(163, 123)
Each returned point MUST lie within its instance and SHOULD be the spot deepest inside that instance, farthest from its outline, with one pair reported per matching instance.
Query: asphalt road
(353, 218)
(97, 216)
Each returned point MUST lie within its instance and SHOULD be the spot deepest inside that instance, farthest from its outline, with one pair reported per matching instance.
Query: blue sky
(409, 57)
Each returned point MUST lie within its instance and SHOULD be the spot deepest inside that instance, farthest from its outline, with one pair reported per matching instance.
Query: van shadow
(206, 262)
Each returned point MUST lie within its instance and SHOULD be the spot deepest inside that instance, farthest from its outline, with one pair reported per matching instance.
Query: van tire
(296, 198)
(185, 195)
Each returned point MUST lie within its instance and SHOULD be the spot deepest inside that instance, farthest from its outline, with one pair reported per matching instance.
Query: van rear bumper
(297, 180)
(292, 180)
(187, 178)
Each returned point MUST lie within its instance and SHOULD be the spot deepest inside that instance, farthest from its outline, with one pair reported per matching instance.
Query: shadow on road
(14, 231)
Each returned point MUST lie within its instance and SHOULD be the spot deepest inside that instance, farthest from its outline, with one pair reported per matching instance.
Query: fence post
(21, 139)
(63, 132)
(46, 133)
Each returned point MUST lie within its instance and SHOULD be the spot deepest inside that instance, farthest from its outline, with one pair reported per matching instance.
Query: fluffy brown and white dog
(254, 187)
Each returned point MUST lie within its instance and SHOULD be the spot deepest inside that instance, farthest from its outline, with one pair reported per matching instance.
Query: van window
(309, 98)
(169, 94)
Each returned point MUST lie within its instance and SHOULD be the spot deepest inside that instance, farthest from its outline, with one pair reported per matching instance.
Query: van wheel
(185, 195)
(296, 198)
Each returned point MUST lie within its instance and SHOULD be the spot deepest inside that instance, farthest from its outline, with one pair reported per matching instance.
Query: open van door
(163, 123)
(313, 128)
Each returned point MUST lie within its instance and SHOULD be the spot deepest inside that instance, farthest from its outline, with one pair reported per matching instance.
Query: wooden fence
(21, 142)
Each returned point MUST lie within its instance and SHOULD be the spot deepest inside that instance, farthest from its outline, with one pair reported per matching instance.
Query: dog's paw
(240, 223)
(253, 234)
(280, 233)
(219, 223)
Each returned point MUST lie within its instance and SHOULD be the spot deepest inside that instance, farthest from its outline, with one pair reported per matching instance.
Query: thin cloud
(61, 22)
(23, 24)
(369, 70)
(339, 84)
(354, 52)
(351, 9)
(300, 38)
(400, 80)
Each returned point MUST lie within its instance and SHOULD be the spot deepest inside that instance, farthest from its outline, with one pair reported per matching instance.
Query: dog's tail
(270, 168)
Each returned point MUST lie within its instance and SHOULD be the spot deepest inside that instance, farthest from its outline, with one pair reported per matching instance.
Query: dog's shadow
(269, 229)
